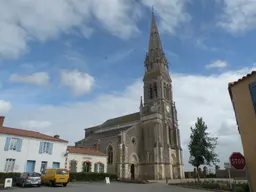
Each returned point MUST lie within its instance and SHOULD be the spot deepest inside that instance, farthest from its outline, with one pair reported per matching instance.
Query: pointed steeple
(155, 49)
(154, 39)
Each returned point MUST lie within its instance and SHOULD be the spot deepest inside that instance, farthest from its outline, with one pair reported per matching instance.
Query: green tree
(202, 146)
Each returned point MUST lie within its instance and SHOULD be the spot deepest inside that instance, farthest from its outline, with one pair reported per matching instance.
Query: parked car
(55, 176)
(28, 179)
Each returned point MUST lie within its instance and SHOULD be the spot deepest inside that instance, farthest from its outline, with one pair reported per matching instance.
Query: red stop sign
(237, 161)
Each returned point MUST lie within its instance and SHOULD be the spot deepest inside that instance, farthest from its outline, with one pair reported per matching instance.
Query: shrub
(211, 175)
(244, 186)
(240, 189)
(224, 186)
(210, 186)
(81, 176)
(3, 176)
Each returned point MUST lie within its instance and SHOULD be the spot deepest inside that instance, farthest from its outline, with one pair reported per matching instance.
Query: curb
(199, 188)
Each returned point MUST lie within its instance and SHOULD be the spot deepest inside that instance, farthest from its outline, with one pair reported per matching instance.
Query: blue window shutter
(252, 87)
(50, 148)
(95, 167)
(41, 147)
(7, 143)
(19, 145)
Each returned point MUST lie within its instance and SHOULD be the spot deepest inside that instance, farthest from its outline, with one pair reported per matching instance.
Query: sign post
(237, 161)
(227, 166)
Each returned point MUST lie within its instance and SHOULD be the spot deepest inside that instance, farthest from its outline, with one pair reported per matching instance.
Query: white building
(25, 150)
(91, 160)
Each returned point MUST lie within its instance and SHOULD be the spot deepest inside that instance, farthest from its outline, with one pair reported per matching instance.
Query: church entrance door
(132, 172)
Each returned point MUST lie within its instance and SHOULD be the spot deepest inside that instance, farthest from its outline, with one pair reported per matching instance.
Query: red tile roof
(85, 151)
(28, 133)
(242, 78)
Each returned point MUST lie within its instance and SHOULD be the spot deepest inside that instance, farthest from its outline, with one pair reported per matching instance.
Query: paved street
(99, 187)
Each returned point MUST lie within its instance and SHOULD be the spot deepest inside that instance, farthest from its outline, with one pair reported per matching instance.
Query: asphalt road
(115, 186)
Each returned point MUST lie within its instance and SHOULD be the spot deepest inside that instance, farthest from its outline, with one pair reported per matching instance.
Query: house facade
(85, 160)
(243, 97)
(29, 151)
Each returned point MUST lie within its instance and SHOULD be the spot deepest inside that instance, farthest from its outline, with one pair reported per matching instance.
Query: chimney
(2, 121)
(56, 136)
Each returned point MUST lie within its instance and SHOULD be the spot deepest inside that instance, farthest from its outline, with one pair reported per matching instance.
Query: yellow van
(55, 176)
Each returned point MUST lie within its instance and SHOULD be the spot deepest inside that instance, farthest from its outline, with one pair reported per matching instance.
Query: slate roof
(104, 134)
(28, 133)
(84, 151)
(122, 119)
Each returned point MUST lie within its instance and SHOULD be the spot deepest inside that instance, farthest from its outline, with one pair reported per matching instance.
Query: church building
(145, 144)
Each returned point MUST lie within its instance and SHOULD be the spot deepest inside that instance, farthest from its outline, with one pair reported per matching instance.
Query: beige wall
(246, 119)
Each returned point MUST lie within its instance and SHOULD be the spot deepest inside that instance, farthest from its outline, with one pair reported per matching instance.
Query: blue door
(30, 166)
(55, 165)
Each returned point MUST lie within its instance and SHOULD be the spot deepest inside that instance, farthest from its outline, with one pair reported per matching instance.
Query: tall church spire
(155, 49)
(154, 39)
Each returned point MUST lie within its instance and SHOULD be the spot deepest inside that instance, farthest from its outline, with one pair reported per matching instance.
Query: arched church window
(133, 141)
(164, 90)
(155, 89)
(150, 92)
(167, 91)
(110, 155)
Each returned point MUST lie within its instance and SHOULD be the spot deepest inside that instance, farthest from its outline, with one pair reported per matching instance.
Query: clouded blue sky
(68, 64)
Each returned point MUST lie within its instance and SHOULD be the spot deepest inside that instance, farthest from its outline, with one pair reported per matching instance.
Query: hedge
(82, 176)
(3, 176)
(216, 185)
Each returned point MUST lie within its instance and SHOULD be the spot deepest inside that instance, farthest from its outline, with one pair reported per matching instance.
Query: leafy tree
(217, 167)
(201, 146)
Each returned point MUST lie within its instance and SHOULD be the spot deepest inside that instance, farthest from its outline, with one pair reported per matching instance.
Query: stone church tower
(145, 144)
(158, 114)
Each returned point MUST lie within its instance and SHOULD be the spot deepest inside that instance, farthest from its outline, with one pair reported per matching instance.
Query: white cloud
(38, 78)
(238, 15)
(36, 125)
(80, 83)
(217, 64)
(195, 96)
(169, 19)
(5, 106)
(23, 21)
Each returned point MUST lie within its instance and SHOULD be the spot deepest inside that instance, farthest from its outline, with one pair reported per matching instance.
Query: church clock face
(153, 107)
(167, 109)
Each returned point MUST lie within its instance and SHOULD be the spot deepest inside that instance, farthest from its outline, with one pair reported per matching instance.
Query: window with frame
(9, 165)
(252, 87)
(87, 165)
(13, 144)
(101, 168)
(46, 147)
(43, 166)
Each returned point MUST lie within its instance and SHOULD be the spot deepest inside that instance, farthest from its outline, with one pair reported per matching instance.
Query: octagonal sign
(237, 161)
